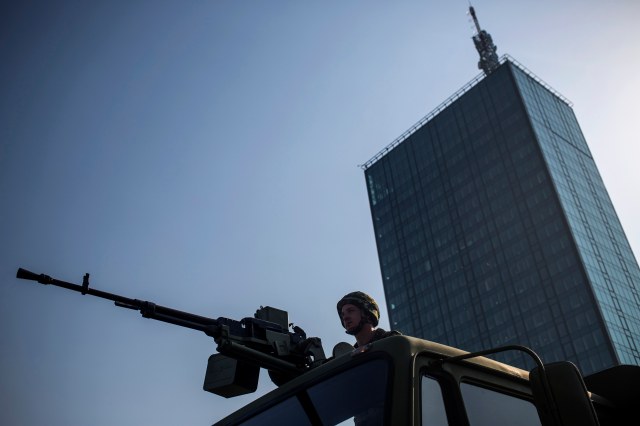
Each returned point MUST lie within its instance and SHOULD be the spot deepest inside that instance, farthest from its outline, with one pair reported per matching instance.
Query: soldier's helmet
(364, 302)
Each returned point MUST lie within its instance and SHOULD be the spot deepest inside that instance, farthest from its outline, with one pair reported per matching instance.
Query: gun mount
(244, 346)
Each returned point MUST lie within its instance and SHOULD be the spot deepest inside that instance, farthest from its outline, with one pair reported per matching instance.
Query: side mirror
(561, 396)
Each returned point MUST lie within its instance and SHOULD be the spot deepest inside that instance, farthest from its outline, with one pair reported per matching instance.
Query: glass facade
(493, 227)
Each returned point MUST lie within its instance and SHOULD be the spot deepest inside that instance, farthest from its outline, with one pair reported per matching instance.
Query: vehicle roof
(394, 346)
(426, 346)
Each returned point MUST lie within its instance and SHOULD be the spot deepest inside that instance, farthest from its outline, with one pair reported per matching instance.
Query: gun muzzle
(28, 275)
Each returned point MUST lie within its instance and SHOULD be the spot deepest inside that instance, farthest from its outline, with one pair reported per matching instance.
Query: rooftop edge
(464, 89)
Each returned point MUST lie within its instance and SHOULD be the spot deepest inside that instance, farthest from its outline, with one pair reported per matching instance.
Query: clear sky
(203, 155)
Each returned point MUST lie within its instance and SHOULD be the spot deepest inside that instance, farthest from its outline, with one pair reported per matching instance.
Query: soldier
(359, 315)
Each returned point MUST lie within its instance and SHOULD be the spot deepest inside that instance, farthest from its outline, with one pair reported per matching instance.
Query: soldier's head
(357, 309)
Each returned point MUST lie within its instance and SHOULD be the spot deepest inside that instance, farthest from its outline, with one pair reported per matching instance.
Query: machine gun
(244, 346)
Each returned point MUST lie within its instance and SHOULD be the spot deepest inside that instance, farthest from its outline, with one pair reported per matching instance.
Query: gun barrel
(84, 288)
(147, 309)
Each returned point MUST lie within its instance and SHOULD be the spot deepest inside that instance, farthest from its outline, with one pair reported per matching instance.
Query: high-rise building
(493, 227)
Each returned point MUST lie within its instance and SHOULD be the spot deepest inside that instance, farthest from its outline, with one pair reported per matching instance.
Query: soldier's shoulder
(381, 334)
(392, 333)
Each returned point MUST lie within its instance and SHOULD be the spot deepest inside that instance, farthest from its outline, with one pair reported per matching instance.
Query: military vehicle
(399, 380)
(403, 380)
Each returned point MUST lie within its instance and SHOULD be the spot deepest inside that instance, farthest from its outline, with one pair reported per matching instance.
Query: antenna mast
(484, 45)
